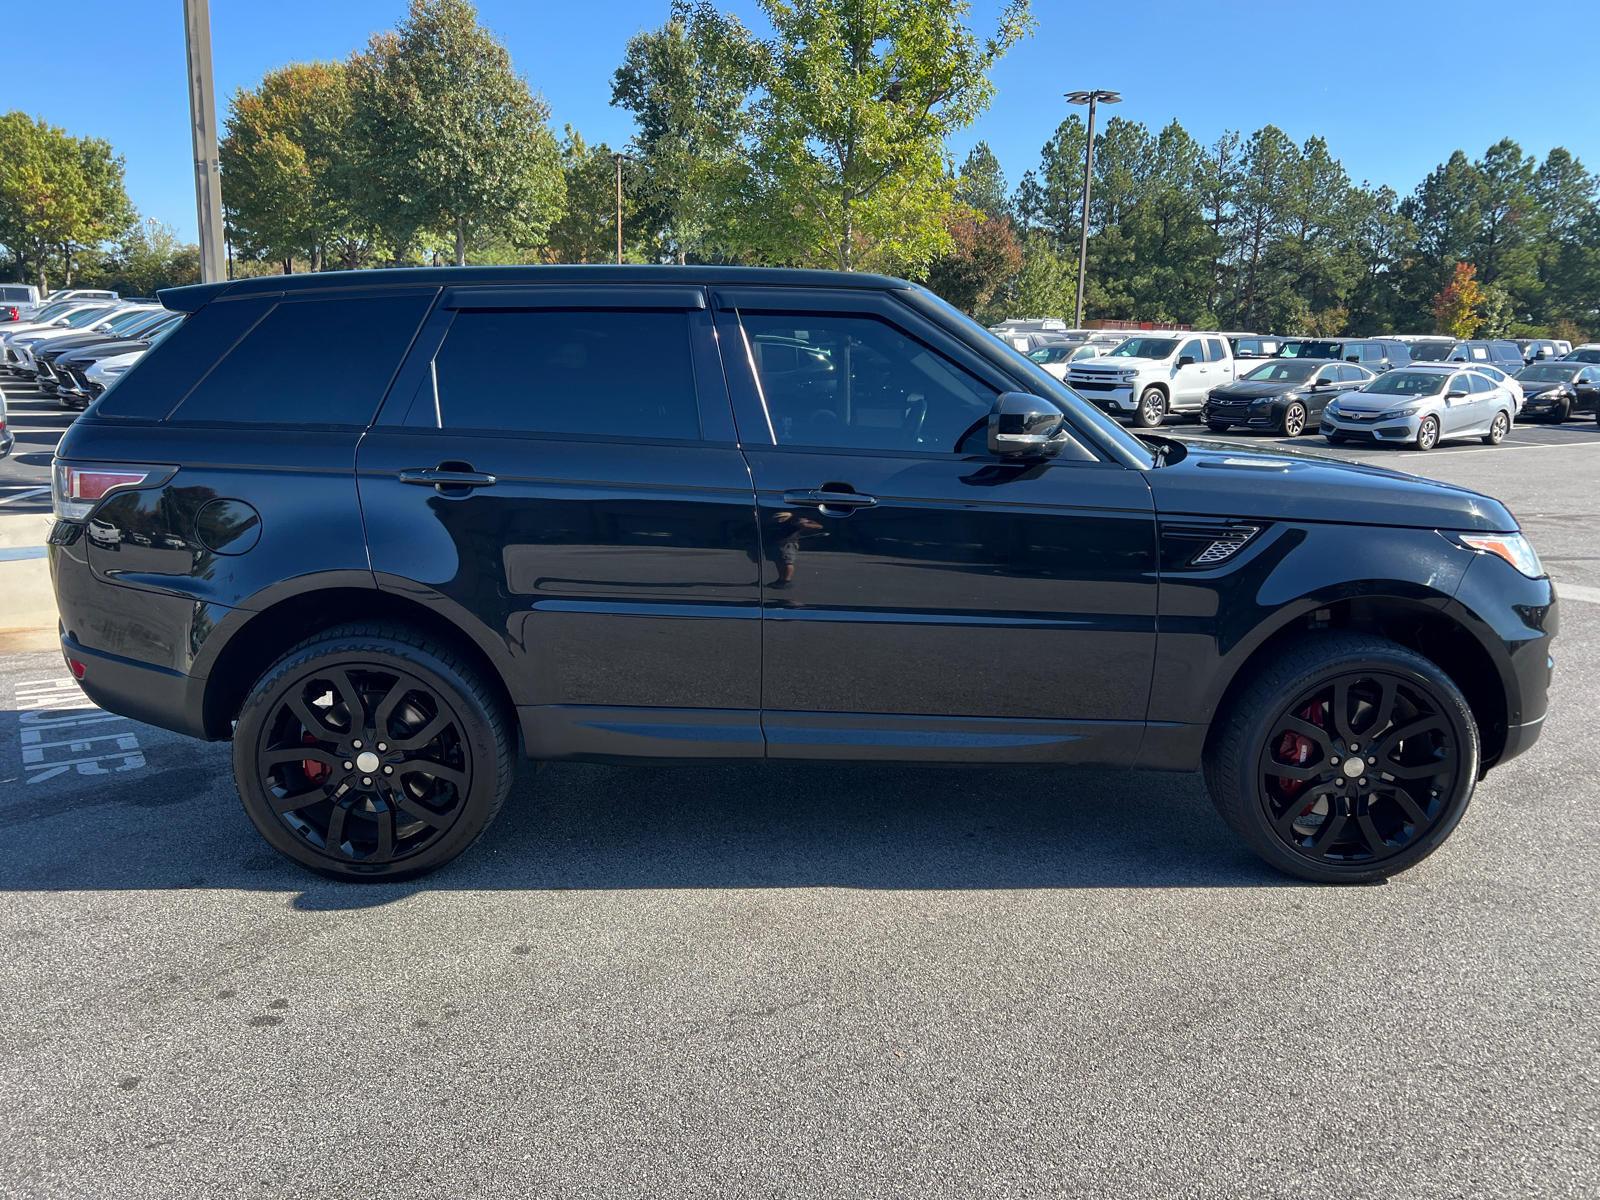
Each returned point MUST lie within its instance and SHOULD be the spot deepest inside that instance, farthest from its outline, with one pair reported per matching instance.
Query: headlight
(1512, 547)
(1332, 407)
(1394, 413)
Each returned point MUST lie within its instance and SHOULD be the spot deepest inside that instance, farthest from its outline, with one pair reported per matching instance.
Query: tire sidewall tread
(1239, 732)
(492, 736)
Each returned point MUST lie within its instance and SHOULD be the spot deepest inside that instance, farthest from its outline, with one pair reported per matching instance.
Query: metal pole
(203, 128)
(1083, 246)
(619, 212)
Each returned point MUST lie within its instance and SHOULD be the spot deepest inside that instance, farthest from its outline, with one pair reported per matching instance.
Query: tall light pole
(203, 128)
(619, 158)
(1090, 99)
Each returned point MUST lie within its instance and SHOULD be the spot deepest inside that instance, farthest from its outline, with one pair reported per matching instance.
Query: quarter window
(588, 373)
(310, 362)
(855, 382)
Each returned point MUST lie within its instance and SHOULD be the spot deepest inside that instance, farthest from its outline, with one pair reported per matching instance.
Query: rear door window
(1352, 374)
(592, 373)
(310, 362)
(1214, 349)
(1481, 383)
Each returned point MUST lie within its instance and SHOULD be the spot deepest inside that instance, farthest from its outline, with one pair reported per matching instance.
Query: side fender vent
(1204, 545)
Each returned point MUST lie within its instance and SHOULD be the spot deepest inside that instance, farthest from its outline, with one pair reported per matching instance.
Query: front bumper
(1396, 429)
(1111, 397)
(1251, 413)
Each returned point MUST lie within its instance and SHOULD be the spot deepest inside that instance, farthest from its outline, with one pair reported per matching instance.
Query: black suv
(372, 527)
(1499, 353)
(1376, 354)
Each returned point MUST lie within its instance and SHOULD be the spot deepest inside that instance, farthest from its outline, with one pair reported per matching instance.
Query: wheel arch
(256, 643)
(1412, 622)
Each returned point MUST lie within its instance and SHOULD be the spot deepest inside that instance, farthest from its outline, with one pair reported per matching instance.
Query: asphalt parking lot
(803, 981)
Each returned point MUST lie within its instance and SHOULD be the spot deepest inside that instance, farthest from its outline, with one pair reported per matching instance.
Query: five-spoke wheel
(1348, 758)
(370, 754)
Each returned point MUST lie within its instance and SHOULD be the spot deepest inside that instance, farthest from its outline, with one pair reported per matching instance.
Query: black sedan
(1284, 395)
(1556, 390)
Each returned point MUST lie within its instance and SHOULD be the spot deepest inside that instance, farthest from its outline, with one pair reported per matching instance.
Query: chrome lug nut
(356, 744)
(366, 781)
(349, 766)
(388, 770)
(381, 747)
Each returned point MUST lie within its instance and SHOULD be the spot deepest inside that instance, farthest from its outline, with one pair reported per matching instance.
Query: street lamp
(619, 158)
(1089, 98)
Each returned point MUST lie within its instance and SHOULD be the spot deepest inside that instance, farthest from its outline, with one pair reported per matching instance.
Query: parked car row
(76, 352)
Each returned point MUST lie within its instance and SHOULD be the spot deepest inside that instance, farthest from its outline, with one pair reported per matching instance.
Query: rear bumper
(154, 695)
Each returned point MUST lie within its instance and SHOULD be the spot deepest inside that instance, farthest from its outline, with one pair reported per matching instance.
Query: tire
(1498, 428)
(1427, 434)
(1152, 408)
(393, 824)
(1276, 762)
(1216, 427)
(1293, 423)
(1560, 413)
(1334, 439)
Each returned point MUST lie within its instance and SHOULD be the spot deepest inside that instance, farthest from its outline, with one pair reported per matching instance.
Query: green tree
(854, 100)
(1044, 286)
(981, 184)
(587, 230)
(685, 91)
(149, 257)
(452, 141)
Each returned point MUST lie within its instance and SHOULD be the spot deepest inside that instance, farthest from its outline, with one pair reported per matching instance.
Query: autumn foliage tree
(985, 253)
(1456, 307)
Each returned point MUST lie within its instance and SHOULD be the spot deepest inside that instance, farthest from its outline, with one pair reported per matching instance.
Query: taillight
(75, 490)
(10, 313)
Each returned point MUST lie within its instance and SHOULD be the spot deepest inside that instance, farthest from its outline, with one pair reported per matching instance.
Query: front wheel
(1347, 759)
(1560, 413)
(368, 754)
(1498, 428)
(1218, 426)
(1294, 420)
(1427, 434)
(1152, 408)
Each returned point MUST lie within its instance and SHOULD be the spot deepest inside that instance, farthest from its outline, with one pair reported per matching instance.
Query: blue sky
(1394, 87)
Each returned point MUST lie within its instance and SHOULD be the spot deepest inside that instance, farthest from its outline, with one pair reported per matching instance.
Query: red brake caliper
(1297, 750)
(316, 772)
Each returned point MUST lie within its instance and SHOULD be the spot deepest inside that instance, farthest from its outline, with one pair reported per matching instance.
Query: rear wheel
(1294, 420)
(1347, 759)
(1152, 408)
(366, 753)
(1498, 428)
(1427, 434)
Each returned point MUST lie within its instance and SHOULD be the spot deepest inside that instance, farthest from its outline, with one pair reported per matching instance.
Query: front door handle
(844, 503)
(441, 478)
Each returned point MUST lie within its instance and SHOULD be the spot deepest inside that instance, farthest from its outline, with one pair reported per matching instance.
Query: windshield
(126, 320)
(147, 320)
(1432, 351)
(1548, 373)
(1145, 348)
(52, 311)
(1323, 350)
(87, 317)
(1283, 372)
(1407, 383)
(1052, 354)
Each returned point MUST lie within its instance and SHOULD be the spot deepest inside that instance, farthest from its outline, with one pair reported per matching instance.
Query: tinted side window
(1352, 374)
(311, 362)
(595, 373)
(1481, 383)
(859, 383)
(1192, 349)
(164, 376)
(1214, 349)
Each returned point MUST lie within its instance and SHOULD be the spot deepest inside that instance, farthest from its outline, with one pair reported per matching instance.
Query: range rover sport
(377, 528)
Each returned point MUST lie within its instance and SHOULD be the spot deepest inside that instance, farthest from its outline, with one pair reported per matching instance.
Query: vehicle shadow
(577, 827)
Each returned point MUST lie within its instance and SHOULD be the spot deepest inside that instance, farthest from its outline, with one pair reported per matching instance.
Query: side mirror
(1186, 360)
(1026, 426)
(59, 321)
(1456, 395)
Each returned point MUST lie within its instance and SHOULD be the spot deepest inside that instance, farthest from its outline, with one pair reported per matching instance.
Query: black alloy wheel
(368, 754)
(1427, 434)
(1347, 760)
(1498, 428)
(1152, 408)
(1294, 419)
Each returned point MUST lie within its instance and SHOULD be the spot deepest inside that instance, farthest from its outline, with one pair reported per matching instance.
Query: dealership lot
(803, 981)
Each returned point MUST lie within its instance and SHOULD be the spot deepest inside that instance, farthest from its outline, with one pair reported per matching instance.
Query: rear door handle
(434, 477)
(848, 501)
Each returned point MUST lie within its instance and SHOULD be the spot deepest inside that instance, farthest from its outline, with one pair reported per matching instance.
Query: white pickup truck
(1149, 376)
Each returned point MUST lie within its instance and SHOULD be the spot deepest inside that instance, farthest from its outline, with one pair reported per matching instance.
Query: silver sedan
(1421, 405)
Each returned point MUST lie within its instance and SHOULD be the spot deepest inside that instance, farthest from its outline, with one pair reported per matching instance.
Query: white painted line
(1572, 591)
(25, 495)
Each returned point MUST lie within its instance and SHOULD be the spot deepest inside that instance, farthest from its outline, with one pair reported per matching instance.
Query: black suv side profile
(1375, 354)
(374, 527)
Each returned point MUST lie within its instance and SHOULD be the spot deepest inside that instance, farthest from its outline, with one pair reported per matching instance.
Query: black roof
(189, 299)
